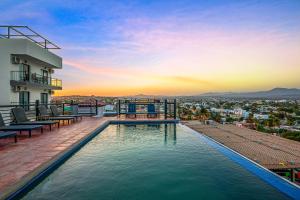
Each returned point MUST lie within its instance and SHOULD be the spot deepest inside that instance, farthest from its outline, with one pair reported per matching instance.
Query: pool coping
(22, 188)
(285, 186)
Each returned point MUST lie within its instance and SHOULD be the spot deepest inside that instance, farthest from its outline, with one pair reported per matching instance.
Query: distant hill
(276, 93)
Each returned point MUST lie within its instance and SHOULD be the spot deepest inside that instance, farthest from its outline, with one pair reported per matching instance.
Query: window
(24, 99)
(44, 98)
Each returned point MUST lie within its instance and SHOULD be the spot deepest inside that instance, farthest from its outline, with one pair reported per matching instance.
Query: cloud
(164, 46)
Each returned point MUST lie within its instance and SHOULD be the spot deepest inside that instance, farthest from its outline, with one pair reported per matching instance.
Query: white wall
(33, 54)
(35, 94)
(28, 48)
(4, 75)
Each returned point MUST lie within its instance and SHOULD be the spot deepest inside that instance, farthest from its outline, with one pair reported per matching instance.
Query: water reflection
(169, 130)
(170, 133)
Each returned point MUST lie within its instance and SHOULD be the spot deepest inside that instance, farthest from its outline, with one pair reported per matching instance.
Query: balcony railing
(35, 78)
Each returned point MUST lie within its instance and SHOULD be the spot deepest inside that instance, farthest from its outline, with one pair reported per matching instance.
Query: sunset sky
(167, 47)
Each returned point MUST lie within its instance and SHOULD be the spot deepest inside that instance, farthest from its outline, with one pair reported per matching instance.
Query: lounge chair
(21, 119)
(75, 111)
(20, 128)
(55, 113)
(8, 134)
(151, 111)
(43, 115)
(131, 110)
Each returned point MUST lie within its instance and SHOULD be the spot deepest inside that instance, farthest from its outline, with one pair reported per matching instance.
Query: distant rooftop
(8, 32)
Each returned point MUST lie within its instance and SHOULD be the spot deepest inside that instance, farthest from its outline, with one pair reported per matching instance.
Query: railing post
(72, 106)
(37, 103)
(63, 108)
(96, 107)
(91, 108)
(174, 108)
(8, 32)
(166, 107)
(119, 107)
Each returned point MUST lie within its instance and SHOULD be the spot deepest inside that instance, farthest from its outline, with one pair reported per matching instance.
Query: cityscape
(275, 115)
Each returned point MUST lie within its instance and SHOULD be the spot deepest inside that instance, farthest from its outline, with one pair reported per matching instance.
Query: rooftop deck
(272, 152)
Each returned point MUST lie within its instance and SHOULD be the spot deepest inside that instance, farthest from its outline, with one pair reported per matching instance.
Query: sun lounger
(20, 128)
(131, 110)
(75, 111)
(43, 115)
(21, 119)
(8, 134)
(55, 113)
(151, 111)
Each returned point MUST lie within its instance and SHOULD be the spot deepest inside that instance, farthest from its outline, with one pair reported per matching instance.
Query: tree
(276, 121)
(229, 119)
(290, 121)
(194, 108)
(250, 118)
(216, 117)
(198, 114)
(204, 113)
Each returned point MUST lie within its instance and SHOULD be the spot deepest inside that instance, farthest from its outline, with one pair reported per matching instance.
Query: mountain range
(276, 93)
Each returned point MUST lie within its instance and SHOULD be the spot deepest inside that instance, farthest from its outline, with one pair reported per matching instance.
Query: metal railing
(31, 110)
(165, 108)
(88, 109)
(8, 32)
(34, 78)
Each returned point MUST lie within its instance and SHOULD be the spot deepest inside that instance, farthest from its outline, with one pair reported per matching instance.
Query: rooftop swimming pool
(154, 161)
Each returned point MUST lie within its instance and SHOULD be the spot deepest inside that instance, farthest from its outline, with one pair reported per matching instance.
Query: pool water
(151, 162)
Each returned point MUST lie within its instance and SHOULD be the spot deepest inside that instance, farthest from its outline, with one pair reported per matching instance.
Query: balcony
(21, 78)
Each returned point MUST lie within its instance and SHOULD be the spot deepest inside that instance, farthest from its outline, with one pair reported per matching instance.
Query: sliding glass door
(24, 99)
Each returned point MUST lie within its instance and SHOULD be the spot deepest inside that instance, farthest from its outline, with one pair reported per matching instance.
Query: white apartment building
(260, 116)
(27, 66)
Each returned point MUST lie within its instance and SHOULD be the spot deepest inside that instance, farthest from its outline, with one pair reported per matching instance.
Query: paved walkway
(20, 160)
(271, 151)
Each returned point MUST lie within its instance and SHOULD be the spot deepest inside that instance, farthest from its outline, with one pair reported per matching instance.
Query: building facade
(27, 71)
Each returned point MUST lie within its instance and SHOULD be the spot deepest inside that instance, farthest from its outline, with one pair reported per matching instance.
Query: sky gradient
(167, 47)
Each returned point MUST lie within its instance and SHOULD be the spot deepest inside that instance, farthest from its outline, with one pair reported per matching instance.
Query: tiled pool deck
(20, 160)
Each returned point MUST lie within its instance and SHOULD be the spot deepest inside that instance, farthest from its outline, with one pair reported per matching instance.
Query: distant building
(109, 108)
(241, 113)
(260, 116)
(290, 128)
(245, 125)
